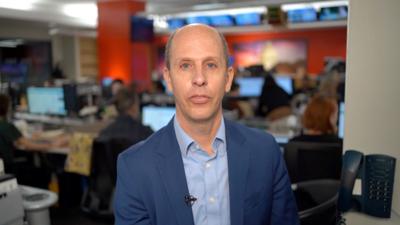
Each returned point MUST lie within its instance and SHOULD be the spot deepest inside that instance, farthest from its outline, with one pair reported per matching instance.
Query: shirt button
(211, 200)
(208, 165)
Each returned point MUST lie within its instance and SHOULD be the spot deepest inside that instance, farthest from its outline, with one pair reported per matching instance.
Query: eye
(185, 66)
(211, 65)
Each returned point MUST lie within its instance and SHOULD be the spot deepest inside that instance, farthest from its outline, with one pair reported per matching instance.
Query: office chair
(316, 201)
(98, 198)
(311, 160)
(21, 164)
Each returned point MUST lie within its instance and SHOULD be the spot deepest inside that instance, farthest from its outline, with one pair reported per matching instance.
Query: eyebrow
(192, 59)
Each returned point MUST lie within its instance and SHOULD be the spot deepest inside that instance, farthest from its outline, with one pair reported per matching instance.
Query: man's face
(198, 75)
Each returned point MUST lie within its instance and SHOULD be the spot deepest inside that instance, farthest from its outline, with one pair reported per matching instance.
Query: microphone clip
(190, 200)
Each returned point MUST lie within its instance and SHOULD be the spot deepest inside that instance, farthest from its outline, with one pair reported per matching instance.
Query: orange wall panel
(119, 57)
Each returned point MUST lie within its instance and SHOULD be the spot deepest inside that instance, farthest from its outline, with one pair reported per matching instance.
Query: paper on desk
(79, 156)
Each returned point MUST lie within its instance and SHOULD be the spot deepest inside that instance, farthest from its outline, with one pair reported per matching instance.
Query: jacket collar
(172, 172)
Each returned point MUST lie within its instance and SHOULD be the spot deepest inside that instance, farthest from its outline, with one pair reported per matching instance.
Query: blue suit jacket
(151, 182)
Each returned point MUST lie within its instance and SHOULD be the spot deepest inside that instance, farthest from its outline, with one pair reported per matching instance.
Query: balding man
(201, 169)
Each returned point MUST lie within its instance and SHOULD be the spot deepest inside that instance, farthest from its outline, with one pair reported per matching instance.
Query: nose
(199, 77)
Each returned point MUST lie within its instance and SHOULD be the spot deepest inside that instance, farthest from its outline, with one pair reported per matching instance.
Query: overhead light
(86, 12)
(11, 43)
(17, 4)
(315, 5)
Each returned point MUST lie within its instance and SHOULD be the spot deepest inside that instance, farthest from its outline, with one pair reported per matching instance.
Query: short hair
(125, 99)
(225, 49)
(317, 114)
(4, 104)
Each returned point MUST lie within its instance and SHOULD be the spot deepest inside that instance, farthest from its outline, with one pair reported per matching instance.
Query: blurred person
(274, 102)
(127, 124)
(302, 80)
(179, 175)
(329, 84)
(320, 121)
(116, 85)
(11, 139)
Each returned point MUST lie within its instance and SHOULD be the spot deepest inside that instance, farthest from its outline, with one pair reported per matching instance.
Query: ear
(167, 78)
(230, 73)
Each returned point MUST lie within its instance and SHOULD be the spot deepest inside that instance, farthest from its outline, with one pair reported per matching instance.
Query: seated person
(11, 139)
(274, 102)
(127, 125)
(319, 121)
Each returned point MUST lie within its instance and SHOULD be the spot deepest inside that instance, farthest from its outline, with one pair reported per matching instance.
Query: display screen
(46, 100)
(142, 29)
(222, 21)
(248, 19)
(302, 15)
(333, 13)
(341, 120)
(175, 23)
(250, 86)
(157, 116)
(198, 19)
(285, 82)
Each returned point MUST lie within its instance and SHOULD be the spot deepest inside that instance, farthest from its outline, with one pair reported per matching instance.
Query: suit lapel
(238, 163)
(172, 173)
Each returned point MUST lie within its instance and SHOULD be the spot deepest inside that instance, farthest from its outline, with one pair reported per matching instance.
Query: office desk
(356, 218)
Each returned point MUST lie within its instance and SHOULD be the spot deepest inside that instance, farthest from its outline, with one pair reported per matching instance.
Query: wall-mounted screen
(248, 19)
(142, 29)
(176, 23)
(198, 19)
(333, 13)
(222, 21)
(302, 15)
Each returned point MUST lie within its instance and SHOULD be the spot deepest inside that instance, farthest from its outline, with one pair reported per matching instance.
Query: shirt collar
(184, 140)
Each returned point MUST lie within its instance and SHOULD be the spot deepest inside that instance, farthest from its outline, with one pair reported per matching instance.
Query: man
(201, 169)
(126, 125)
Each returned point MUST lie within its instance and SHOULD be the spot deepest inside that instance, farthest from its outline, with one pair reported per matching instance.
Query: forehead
(196, 42)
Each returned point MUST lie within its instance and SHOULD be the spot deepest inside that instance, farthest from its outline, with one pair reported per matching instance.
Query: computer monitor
(341, 119)
(250, 86)
(157, 116)
(46, 100)
(285, 82)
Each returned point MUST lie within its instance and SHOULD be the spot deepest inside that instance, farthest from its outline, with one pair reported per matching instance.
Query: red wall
(118, 56)
(321, 43)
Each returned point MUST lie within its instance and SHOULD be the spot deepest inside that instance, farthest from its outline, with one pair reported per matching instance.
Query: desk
(356, 218)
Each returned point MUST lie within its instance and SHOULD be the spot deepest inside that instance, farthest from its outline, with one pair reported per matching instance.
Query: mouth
(199, 99)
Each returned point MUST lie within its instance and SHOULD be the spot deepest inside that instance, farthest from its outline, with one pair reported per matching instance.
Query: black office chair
(21, 164)
(316, 201)
(310, 160)
(98, 198)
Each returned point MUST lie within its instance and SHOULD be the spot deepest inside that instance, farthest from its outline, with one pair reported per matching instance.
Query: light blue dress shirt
(207, 177)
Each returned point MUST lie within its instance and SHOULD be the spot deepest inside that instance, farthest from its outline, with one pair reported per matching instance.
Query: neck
(202, 132)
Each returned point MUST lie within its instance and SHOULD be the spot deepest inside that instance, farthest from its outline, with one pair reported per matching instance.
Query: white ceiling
(50, 14)
(51, 11)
